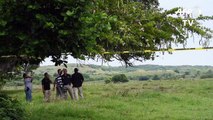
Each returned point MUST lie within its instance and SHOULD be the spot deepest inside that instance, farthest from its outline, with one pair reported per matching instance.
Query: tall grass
(155, 100)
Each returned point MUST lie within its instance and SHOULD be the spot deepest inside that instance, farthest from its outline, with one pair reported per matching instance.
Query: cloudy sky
(204, 57)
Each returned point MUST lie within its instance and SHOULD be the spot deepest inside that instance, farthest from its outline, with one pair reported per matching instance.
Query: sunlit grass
(165, 99)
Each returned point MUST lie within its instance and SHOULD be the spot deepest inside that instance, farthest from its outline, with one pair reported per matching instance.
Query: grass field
(147, 100)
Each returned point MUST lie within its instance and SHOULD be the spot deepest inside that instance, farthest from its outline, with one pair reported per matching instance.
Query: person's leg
(57, 93)
(65, 91)
(75, 89)
(28, 95)
(47, 95)
(61, 93)
(80, 90)
(70, 90)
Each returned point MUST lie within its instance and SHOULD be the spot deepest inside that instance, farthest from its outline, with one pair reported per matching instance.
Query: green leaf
(3, 23)
(49, 25)
(2, 33)
(69, 13)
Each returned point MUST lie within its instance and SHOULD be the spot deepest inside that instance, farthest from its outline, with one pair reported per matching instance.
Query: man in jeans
(28, 87)
(67, 84)
(77, 81)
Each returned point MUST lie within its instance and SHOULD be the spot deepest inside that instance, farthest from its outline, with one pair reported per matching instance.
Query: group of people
(63, 83)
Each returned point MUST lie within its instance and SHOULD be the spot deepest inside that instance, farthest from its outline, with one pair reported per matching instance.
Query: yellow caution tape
(159, 50)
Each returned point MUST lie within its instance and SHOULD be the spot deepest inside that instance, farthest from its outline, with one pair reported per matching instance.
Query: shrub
(10, 109)
(2, 83)
(206, 76)
(176, 71)
(142, 78)
(119, 78)
(156, 77)
(107, 81)
(86, 76)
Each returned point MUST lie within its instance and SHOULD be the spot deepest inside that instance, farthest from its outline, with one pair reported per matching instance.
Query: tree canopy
(31, 30)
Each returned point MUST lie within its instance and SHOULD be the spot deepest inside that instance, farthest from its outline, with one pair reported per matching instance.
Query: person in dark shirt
(58, 84)
(67, 84)
(46, 87)
(77, 81)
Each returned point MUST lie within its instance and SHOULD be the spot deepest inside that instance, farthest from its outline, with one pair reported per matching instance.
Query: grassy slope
(173, 99)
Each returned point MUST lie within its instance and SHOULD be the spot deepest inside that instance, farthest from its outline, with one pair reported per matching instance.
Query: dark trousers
(60, 92)
(28, 93)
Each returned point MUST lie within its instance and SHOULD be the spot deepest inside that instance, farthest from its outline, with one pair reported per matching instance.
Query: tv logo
(189, 15)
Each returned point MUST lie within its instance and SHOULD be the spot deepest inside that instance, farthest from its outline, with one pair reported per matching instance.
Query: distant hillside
(96, 72)
(141, 72)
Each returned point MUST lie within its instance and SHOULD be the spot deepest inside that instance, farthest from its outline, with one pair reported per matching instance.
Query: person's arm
(43, 89)
(54, 85)
(50, 83)
(70, 79)
(82, 78)
(42, 84)
(30, 78)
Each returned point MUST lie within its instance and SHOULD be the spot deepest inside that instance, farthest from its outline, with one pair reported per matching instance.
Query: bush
(107, 81)
(10, 109)
(2, 83)
(142, 78)
(206, 76)
(86, 76)
(156, 77)
(119, 78)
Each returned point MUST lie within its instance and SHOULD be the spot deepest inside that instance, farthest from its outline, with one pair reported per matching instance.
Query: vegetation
(105, 73)
(32, 30)
(119, 78)
(10, 108)
(162, 99)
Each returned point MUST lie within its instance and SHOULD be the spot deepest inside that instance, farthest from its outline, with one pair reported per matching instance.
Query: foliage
(144, 100)
(3, 78)
(10, 108)
(143, 78)
(119, 78)
(177, 71)
(107, 81)
(208, 74)
(84, 28)
(86, 76)
(156, 77)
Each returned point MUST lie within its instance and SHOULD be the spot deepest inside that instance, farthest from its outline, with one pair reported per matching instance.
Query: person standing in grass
(58, 84)
(57, 92)
(77, 81)
(46, 87)
(28, 87)
(66, 78)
